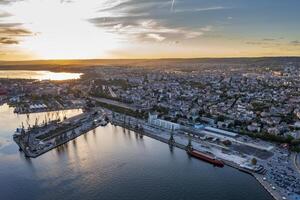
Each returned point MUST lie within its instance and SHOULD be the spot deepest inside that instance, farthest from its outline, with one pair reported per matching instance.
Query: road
(297, 161)
(274, 193)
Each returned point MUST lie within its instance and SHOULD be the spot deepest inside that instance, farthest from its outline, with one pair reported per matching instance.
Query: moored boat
(205, 157)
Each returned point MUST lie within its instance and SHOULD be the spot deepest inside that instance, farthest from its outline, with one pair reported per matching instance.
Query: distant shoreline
(82, 65)
(143, 59)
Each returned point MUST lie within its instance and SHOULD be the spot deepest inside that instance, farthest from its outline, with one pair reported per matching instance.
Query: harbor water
(112, 163)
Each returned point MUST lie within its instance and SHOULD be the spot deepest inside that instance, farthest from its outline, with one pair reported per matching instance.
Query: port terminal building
(154, 120)
(214, 131)
(220, 131)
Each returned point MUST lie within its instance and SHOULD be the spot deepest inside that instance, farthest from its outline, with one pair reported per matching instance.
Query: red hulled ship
(205, 157)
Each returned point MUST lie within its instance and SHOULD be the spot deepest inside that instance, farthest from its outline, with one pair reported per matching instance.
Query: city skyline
(77, 29)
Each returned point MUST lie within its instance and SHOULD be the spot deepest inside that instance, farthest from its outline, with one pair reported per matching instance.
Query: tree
(221, 118)
(227, 142)
(254, 161)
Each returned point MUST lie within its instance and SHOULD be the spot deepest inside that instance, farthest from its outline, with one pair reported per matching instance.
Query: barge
(205, 157)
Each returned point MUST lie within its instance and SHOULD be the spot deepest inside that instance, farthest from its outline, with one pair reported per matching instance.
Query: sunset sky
(84, 29)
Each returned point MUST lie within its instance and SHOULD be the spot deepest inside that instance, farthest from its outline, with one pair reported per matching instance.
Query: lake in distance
(39, 75)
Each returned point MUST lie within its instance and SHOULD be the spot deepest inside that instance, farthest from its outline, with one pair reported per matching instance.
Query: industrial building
(153, 120)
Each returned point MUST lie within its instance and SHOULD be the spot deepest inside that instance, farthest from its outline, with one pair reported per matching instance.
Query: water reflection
(62, 149)
(9, 121)
(74, 142)
(113, 163)
(39, 75)
(171, 147)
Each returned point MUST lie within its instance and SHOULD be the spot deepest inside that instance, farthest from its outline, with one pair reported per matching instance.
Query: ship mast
(189, 146)
(36, 122)
(172, 140)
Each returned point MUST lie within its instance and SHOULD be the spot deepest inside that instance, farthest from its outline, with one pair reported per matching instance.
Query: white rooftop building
(153, 120)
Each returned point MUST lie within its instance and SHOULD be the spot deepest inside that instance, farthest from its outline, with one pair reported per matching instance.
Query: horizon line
(167, 58)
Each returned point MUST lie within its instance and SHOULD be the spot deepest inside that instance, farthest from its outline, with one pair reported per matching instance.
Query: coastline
(151, 133)
(258, 177)
(49, 110)
(267, 187)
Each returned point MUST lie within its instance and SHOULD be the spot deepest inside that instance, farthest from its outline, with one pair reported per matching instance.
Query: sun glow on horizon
(109, 29)
(61, 30)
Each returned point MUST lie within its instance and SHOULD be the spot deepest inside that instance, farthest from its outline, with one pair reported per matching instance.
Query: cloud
(214, 8)
(66, 1)
(7, 40)
(153, 7)
(173, 4)
(133, 7)
(10, 30)
(156, 37)
(265, 43)
(4, 14)
(14, 31)
(271, 43)
(295, 43)
(3, 2)
(269, 39)
(146, 20)
(211, 8)
(145, 29)
(206, 28)
(10, 33)
(254, 43)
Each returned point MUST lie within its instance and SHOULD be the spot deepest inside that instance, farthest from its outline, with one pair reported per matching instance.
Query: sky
(88, 29)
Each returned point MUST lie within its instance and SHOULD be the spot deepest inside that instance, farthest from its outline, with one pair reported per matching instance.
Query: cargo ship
(205, 157)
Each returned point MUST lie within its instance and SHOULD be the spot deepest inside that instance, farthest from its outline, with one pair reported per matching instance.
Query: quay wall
(258, 177)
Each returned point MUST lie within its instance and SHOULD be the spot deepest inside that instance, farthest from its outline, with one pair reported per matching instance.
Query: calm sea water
(111, 163)
(39, 75)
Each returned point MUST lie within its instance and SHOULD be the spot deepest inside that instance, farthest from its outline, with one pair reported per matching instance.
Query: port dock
(41, 139)
(139, 126)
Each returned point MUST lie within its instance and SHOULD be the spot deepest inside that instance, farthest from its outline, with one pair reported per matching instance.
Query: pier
(41, 139)
(141, 127)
